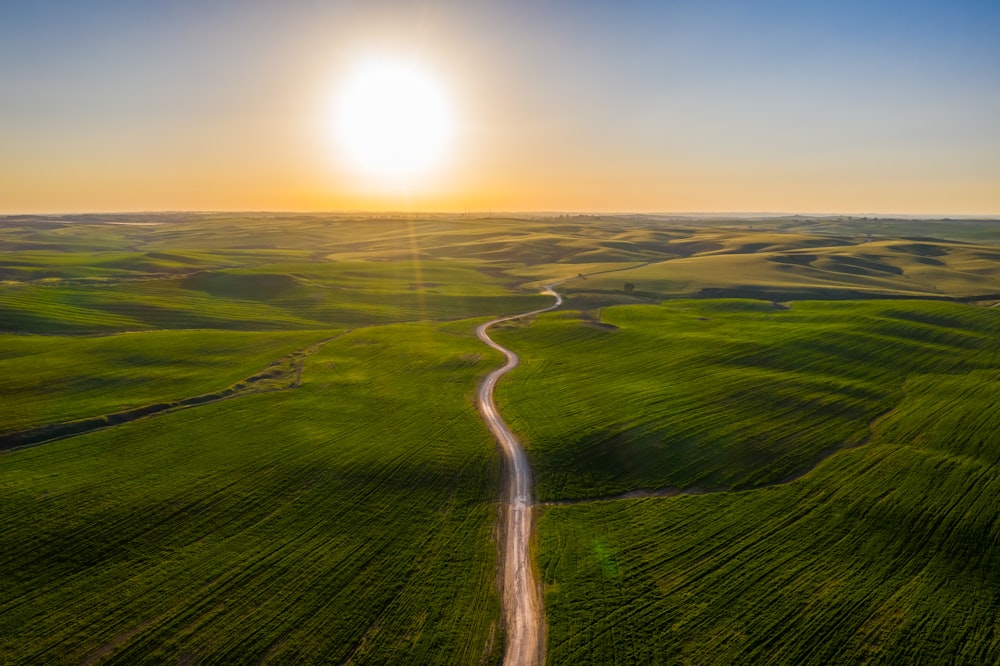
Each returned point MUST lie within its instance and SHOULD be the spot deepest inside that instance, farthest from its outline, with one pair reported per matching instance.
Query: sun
(393, 119)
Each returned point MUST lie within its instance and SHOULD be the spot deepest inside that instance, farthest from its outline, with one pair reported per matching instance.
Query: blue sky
(625, 106)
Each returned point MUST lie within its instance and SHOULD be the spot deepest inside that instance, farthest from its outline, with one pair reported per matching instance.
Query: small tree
(629, 287)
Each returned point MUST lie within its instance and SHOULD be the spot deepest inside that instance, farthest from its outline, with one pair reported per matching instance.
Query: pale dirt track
(522, 603)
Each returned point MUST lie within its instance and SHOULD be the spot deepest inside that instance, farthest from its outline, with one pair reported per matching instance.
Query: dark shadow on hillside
(746, 485)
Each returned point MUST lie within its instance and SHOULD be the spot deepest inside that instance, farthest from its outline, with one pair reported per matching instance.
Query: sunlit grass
(348, 519)
(48, 381)
(882, 553)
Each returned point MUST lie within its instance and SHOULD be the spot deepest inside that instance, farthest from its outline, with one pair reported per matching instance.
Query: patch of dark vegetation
(673, 491)
(795, 259)
(247, 286)
(593, 318)
(920, 249)
(509, 281)
(982, 298)
(592, 300)
(928, 239)
(691, 248)
(750, 248)
(783, 294)
(833, 241)
(862, 266)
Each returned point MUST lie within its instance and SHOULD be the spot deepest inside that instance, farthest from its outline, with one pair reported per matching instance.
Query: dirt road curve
(522, 603)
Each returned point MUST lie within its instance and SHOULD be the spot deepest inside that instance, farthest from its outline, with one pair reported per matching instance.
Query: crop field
(335, 507)
(347, 519)
(721, 394)
(883, 553)
(265, 297)
(43, 382)
(795, 266)
(251, 438)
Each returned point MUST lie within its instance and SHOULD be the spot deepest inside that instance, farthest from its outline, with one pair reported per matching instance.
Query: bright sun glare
(393, 119)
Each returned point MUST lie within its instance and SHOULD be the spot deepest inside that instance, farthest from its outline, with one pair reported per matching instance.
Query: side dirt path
(284, 373)
(522, 602)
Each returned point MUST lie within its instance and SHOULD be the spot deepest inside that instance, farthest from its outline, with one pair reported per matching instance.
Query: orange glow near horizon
(453, 107)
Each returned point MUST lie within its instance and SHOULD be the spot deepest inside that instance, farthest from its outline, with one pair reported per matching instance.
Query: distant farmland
(804, 410)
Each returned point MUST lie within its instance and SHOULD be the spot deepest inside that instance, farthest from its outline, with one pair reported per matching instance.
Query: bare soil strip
(522, 602)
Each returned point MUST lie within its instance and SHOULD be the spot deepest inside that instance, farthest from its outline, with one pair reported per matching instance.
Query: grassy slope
(348, 518)
(238, 530)
(256, 273)
(885, 553)
(795, 266)
(293, 272)
(49, 380)
(268, 296)
(720, 394)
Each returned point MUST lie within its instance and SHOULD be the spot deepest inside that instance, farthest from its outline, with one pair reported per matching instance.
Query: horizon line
(543, 213)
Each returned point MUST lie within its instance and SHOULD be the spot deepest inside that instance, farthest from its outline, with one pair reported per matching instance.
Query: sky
(874, 106)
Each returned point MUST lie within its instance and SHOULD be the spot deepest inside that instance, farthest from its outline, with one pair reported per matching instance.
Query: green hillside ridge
(48, 381)
(884, 554)
(720, 394)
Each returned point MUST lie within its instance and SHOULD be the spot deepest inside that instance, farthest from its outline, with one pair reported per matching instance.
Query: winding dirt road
(522, 603)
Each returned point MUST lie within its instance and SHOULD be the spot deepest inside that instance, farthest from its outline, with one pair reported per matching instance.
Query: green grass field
(795, 267)
(45, 382)
(883, 553)
(721, 394)
(289, 296)
(347, 519)
(347, 516)
(317, 487)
